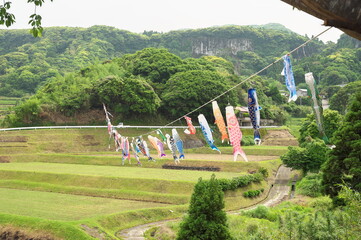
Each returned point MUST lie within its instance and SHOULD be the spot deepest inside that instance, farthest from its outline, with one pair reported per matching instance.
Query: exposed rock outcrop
(219, 46)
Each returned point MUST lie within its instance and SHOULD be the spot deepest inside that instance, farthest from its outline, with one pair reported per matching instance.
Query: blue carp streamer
(290, 81)
(254, 114)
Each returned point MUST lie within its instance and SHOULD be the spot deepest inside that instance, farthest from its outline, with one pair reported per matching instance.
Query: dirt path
(277, 194)
(137, 232)
(280, 190)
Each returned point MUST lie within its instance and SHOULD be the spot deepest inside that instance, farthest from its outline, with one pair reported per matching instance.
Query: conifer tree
(344, 164)
(206, 218)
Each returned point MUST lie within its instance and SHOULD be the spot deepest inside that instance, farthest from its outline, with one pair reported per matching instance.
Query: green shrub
(253, 193)
(225, 184)
(321, 203)
(252, 229)
(263, 171)
(297, 110)
(239, 182)
(162, 232)
(247, 141)
(261, 212)
(310, 185)
(27, 113)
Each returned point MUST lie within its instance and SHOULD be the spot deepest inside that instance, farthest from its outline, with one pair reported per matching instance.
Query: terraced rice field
(69, 179)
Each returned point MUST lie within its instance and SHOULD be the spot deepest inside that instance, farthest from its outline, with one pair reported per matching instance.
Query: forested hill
(26, 62)
(77, 69)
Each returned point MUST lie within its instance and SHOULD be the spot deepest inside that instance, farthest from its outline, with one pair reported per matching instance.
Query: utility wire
(245, 80)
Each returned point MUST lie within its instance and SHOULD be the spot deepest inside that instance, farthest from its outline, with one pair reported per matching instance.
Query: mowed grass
(57, 206)
(112, 171)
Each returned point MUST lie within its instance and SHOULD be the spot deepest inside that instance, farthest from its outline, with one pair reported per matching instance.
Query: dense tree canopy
(28, 64)
(344, 164)
(150, 81)
(128, 95)
(125, 91)
(155, 64)
(332, 121)
(188, 90)
(309, 157)
(336, 65)
(342, 98)
(65, 49)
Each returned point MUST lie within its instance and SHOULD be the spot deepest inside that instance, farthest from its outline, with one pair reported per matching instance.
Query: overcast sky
(165, 15)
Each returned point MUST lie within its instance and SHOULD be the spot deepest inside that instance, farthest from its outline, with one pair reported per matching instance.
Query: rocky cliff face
(220, 46)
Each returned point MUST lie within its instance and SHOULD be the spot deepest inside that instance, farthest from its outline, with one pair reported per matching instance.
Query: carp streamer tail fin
(238, 151)
(257, 137)
(214, 148)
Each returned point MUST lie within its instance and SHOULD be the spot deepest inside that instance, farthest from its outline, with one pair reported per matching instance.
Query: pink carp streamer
(219, 121)
(191, 129)
(235, 134)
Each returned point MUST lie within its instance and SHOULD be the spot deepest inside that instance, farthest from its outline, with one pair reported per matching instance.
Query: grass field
(120, 172)
(56, 206)
(43, 169)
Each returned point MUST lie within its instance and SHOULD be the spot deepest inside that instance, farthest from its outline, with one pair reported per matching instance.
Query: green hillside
(27, 62)
(75, 69)
(143, 88)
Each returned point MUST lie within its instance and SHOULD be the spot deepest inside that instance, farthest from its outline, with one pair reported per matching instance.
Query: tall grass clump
(310, 185)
